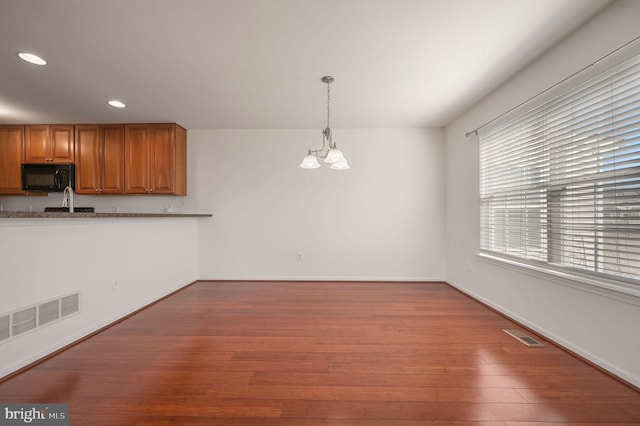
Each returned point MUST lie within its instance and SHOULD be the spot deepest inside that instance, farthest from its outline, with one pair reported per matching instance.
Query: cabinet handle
(97, 190)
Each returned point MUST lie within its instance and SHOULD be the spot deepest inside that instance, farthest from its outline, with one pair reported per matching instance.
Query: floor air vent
(522, 337)
(33, 317)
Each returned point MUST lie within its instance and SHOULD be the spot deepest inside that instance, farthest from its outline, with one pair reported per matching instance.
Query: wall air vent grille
(69, 304)
(37, 315)
(5, 327)
(23, 320)
(48, 312)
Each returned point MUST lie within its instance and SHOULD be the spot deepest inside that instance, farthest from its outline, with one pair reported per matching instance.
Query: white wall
(600, 328)
(381, 220)
(42, 259)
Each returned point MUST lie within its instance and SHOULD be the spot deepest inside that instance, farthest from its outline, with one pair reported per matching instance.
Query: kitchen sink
(66, 209)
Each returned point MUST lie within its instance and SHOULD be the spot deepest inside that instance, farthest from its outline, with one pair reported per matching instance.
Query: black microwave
(48, 177)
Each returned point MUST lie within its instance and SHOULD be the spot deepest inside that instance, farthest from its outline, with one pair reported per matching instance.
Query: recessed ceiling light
(116, 104)
(31, 58)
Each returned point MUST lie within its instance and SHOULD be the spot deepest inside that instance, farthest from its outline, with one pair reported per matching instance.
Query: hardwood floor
(300, 353)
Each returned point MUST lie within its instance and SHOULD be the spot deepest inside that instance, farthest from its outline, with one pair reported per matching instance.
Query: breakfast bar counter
(82, 215)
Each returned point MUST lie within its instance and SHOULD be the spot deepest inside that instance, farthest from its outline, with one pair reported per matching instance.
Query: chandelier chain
(328, 104)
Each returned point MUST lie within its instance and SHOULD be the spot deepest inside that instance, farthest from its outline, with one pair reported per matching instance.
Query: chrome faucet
(67, 198)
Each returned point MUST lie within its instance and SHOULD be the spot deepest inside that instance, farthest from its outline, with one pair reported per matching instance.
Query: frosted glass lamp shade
(333, 156)
(310, 162)
(340, 165)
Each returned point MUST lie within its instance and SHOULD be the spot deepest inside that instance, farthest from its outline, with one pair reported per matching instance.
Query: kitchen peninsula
(116, 263)
(79, 215)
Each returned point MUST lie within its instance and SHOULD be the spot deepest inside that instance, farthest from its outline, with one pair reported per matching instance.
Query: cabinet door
(11, 156)
(137, 144)
(37, 144)
(88, 156)
(112, 137)
(61, 144)
(163, 161)
(49, 144)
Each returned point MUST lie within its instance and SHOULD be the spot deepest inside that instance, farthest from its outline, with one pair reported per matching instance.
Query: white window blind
(560, 184)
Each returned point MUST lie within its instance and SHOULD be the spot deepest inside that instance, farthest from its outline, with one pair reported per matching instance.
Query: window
(560, 184)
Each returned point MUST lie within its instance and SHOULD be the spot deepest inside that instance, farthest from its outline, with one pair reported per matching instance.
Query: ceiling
(257, 64)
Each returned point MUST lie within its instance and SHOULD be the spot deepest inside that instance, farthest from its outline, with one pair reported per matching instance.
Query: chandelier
(329, 151)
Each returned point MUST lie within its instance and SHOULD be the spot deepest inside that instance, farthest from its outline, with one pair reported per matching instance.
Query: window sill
(602, 287)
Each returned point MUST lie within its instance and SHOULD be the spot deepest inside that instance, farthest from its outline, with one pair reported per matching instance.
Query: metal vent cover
(23, 320)
(5, 327)
(69, 304)
(524, 338)
(37, 315)
(49, 311)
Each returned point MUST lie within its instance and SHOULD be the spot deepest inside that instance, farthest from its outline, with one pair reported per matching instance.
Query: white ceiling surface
(257, 64)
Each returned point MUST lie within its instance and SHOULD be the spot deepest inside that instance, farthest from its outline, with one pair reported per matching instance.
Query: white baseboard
(319, 278)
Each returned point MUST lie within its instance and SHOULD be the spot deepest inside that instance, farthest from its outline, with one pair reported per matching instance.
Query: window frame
(618, 287)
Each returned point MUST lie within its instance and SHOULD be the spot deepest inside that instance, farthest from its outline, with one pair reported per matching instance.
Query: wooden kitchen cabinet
(49, 144)
(99, 152)
(155, 159)
(11, 157)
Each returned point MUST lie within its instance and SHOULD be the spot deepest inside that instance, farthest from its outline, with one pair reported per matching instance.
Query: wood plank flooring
(323, 353)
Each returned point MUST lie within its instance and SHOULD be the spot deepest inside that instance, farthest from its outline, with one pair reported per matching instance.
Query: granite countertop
(77, 215)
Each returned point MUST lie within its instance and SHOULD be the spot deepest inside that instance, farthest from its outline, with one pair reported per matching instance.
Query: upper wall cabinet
(109, 158)
(155, 159)
(99, 158)
(11, 156)
(49, 144)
